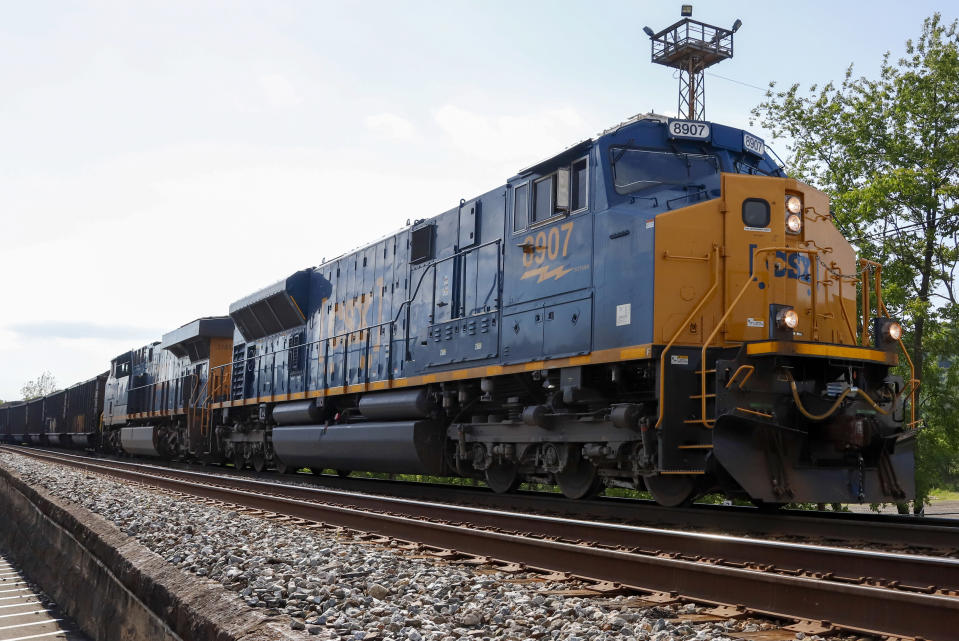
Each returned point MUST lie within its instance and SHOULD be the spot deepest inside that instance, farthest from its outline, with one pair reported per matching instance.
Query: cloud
(514, 139)
(391, 126)
(279, 91)
(82, 330)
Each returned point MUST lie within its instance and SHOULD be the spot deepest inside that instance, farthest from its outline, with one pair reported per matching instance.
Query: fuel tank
(396, 405)
(139, 441)
(399, 447)
(298, 413)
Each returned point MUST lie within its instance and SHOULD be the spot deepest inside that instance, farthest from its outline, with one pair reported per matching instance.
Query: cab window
(579, 186)
(521, 207)
(638, 169)
(543, 199)
(564, 191)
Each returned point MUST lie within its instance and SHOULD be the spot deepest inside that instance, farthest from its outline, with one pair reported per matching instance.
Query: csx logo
(787, 265)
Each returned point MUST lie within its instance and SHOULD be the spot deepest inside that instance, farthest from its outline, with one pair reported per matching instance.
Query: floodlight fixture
(691, 47)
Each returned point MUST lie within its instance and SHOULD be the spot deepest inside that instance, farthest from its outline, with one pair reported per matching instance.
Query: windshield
(636, 169)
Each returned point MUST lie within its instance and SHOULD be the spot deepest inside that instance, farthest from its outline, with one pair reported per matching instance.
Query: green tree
(887, 152)
(40, 386)
(940, 437)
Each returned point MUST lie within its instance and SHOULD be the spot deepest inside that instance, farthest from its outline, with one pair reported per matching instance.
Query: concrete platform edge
(114, 587)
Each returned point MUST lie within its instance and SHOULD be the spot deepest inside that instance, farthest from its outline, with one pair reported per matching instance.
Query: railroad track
(822, 588)
(904, 533)
(929, 535)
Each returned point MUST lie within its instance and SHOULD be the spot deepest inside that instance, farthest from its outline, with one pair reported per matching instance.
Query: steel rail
(927, 532)
(933, 534)
(853, 605)
(919, 573)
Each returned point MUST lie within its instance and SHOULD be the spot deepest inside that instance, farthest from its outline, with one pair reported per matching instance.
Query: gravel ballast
(339, 586)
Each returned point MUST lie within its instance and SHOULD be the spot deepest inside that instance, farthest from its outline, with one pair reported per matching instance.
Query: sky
(161, 160)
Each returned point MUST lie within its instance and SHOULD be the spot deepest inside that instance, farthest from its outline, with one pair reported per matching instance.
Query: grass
(940, 494)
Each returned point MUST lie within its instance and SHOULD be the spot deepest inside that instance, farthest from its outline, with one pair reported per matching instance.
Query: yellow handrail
(729, 309)
(842, 307)
(749, 369)
(881, 307)
(679, 331)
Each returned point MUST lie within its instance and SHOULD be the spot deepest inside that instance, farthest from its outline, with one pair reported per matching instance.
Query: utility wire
(738, 82)
(891, 232)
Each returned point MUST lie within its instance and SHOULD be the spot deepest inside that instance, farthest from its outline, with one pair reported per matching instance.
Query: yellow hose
(855, 391)
(872, 403)
(817, 417)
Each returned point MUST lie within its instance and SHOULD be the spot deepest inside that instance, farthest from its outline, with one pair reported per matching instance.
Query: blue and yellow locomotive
(657, 307)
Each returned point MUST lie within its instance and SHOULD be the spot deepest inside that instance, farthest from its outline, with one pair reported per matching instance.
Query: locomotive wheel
(238, 461)
(343, 473)
(502, 477)
(670, 491)
(579, 480)
(281, 467)
(316, 471)
(258, 461)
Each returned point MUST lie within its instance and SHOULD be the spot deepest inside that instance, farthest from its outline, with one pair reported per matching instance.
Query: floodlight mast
(691, 47)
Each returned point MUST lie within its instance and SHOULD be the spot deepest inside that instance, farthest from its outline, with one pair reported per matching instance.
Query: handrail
(729, 309)
(407, 304)
(749, 369)
(679, 331)
(669, 256)
(881, 307)
(419, 283)
(845, 316)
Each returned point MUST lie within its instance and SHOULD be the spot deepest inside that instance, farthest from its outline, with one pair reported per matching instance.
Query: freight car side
(6, 435)
(53, 418)
(83, 409)
(17, 421)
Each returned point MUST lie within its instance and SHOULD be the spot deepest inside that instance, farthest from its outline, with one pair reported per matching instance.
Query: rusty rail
(938, 536)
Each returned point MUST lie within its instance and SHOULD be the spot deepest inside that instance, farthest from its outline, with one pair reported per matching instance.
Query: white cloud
(279, 91)
(512, 140)
(392, 126)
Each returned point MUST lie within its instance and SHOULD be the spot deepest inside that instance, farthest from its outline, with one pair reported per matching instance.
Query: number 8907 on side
(688, 129)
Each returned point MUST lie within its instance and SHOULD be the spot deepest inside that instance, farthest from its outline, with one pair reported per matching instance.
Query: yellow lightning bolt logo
(546, 272)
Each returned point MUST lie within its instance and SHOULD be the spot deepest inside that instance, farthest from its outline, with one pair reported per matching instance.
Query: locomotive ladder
(215, 390)
(702, 372)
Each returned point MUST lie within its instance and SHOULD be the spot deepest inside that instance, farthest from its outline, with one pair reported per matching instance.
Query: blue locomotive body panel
(557, 262)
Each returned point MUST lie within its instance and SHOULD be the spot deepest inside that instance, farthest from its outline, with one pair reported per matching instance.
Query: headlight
(793, 205)
(887, 331)
(787, 318)
(793, 223)
(894, 330)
